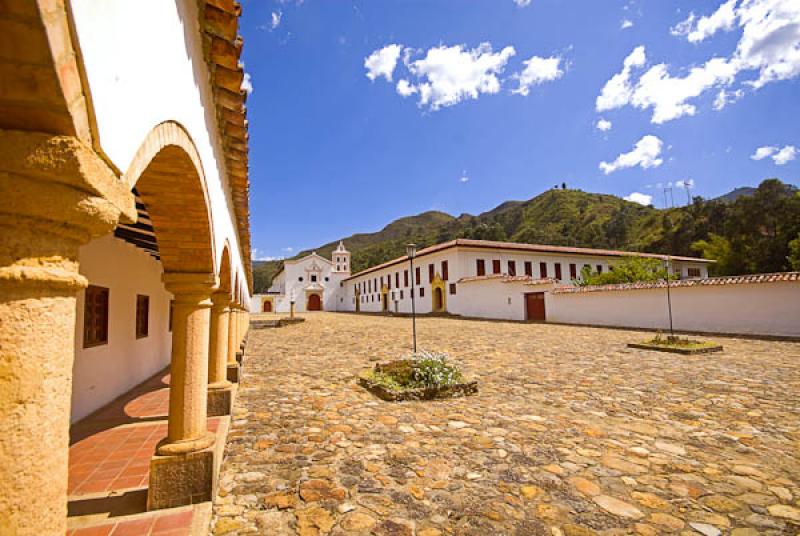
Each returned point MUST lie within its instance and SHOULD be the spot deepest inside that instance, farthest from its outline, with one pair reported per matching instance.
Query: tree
(628, 270)
(719, 249)
(794, 253)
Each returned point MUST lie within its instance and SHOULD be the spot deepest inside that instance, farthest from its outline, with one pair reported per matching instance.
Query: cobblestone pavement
(571, 433)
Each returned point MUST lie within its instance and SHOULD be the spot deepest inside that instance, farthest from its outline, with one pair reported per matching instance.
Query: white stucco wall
(757, 309)
(145, 66)
(484, 299)
(102, 373)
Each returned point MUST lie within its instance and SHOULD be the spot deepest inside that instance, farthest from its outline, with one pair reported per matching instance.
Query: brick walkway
(571, 433)
(109, 467)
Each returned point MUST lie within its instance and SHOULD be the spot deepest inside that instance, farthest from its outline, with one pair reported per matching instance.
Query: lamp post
(411, 251)
(669, 303)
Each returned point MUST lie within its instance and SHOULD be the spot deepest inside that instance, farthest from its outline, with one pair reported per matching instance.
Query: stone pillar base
(239, 357)
(233, 372)
(220, 401)
(182, 479)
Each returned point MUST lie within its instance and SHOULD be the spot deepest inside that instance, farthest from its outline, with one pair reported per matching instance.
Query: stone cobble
(570, 434)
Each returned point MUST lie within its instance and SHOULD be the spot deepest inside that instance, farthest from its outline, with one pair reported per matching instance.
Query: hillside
(750, 229)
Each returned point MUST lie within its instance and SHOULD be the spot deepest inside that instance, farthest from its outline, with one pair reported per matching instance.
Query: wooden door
(266, 306)
(534, 306)
(314, 303)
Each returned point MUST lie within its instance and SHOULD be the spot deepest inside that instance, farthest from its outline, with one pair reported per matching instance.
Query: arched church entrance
(314, 303)
(266, 306)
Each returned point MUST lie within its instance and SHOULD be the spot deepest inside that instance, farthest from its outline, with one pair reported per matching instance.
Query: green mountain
(746, 231)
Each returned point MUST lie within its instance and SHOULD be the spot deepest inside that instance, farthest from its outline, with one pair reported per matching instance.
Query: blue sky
(502, 101)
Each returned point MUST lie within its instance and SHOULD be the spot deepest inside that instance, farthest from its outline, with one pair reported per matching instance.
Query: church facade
(312, 283)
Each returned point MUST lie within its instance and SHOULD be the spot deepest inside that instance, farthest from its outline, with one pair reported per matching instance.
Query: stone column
(233, 365)
(187, 431)
(56, 194)
(219, 388)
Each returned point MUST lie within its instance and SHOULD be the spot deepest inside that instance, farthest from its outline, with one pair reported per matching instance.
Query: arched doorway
(266, 306)
(385, 299)
(438, 299)
(314, 303)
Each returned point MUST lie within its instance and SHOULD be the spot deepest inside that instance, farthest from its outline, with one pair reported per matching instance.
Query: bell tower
(341, 259)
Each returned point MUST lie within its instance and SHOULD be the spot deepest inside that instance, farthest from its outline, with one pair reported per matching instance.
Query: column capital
(59, 194)
(189, 286)
(221, 299)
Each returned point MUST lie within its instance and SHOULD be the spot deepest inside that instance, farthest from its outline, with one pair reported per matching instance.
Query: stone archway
(169, 178)
(266, 305)
(314, 302)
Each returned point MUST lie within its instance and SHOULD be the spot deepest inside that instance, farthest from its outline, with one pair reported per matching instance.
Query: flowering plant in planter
(417, 376)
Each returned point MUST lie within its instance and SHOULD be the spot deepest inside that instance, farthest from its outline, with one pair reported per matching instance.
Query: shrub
(415, 371)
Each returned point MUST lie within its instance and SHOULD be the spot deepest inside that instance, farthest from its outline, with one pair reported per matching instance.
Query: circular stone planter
(427, 393)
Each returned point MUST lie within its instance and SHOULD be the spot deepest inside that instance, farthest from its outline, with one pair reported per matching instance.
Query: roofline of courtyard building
(513, 246)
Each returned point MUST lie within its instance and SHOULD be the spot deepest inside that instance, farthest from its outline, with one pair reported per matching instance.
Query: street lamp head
(411, 250)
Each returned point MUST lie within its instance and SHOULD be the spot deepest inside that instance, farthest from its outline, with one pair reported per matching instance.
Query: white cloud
(405, 89)
(779, 156)
(603, 124)
(787, 154)
(625, 24)
(668, 95)
(763, 152)
(698, 29)
(449, 75)
(617, 91)
(725, 97)
(382, 62)
(537, 71)
(275, 20)
(464, 178)
(247, 84)
(522, 3)
(644, 154)
(638, 197)
(259, 257)
(769, 47)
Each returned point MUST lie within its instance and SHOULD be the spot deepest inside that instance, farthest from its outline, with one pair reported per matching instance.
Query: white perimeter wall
(757, 309)
(102, 373)
(145, 65)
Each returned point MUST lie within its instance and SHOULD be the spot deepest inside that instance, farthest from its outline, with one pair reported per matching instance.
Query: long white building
(478, 278)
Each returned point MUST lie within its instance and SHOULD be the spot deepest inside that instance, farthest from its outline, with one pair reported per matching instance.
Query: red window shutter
(558, 270)
(543, 270)
(405, 278)
(430, 273)
(481, 267)
(445, 275)
(573, 271)
(417, 276)
(528, 268)
(512, 268)
(496, 266)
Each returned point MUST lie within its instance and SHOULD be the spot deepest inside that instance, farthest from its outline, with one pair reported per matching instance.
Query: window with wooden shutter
(405, 278)
(496, 266)
(512, 268)
(543, 270)
(445, 273)
(417, 275)
(480, 267)
(142, 316)
(95, 316)
(558, 271)
(529, 268)
(452, 288)
(573, 271)
(430, 273)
